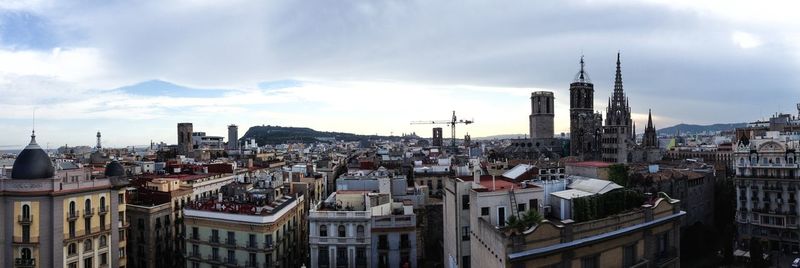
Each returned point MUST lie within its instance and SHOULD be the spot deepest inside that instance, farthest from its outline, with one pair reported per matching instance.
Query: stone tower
(185, 138)
(541, 118)
(437, 137)
(650, 139)
(98, 146)
(584, 124)
(617, 131)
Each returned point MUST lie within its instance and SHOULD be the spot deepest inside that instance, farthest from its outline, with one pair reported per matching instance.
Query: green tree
(618, 173)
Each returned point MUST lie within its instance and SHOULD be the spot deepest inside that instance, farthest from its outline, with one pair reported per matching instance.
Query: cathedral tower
(541, 119)
(617, 131)
(585, 125)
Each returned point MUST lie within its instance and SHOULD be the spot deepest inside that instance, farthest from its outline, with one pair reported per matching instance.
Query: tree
(618, 173)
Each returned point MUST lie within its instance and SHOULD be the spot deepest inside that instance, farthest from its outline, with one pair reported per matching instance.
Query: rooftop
(596, 164)
(242, 207)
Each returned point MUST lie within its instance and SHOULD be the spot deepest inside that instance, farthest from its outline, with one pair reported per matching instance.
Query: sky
(134, 69)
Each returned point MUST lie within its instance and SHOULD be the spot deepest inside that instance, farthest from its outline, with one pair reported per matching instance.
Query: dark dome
(114, 169)
(32, 163)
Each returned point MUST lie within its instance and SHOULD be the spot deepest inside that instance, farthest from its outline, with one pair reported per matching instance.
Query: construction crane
(451, 123)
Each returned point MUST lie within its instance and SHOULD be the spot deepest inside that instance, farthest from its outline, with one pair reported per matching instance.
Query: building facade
(50, 221)
(185, 146)
(618, 136)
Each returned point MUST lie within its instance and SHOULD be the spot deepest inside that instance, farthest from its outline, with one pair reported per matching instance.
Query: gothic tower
(584, 124)
(650, 139)
(541, 119)
(617, 131)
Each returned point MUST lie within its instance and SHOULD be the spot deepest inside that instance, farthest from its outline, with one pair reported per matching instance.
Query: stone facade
(585, 124)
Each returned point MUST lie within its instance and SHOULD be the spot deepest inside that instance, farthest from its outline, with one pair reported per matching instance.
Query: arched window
(102, 202)
(26, 211)
(87, 207)
(323, 230)
(25, 253)
(342, 232)
(87, 245)
(103, 241)
(360, 230)
(72, 208)
(72, 249)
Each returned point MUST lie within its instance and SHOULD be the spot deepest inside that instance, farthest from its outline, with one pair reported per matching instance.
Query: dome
(32, 163)
(114, 169)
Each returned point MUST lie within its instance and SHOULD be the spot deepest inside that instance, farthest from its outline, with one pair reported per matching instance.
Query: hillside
(278, 135)
(692, 129)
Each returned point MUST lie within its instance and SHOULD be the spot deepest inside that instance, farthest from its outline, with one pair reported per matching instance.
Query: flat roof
(570, 194)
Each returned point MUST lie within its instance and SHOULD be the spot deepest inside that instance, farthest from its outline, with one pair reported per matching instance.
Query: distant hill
(278, 135)
(693, 129)
(503, 137)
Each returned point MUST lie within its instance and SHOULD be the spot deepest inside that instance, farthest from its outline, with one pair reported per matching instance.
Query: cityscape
(199, 134)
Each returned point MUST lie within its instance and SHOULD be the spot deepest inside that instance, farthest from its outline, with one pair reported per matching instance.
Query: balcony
(252, 245)
(25, 219)
(194, 255)
(667, 256)
(72, 215)
(88, 213)
(213, 258)
(103, 210)
(269, 246)
(230, 241)
(20, 262)
(213, 239)
(249, 264)
(231, 261)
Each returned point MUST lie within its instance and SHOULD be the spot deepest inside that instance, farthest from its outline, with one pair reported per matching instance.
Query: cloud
(372, 66)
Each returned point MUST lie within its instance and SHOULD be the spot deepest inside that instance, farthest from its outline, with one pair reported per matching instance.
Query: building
(585, 124)
(618, 133)
(466, 197)
(250, 232)
(185, 142)
(233, 137)
(155, 209)
(60, 221)
(767, 190)
(437, 138)
(354, 228)
(541, 118)
(645, 237)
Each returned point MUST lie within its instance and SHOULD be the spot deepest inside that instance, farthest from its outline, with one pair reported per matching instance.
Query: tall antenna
(33, 123)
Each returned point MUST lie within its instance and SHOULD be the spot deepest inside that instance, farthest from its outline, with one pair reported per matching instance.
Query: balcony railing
(72, 215)
(251, 245)
(230, 241)
(213, 258)
(231, 261)
(20, 262)
(269, 246)
(103, 210)
(213, 239)
(25, 219)
(249, 264)
(88, 213)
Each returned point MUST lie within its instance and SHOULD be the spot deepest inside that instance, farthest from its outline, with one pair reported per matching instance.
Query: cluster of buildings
(600, 196)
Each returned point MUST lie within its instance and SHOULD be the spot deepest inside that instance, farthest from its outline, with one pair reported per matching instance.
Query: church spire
(649, 119)
(582, 76)
(618, 78)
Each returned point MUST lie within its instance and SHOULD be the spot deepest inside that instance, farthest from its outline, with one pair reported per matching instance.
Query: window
(87, 245)
(231, 256)
(533, 204)
(121, 199)
(465, 233)
(341, 256)
(26, 212)
(520, 207)
(87, 208)
(589, 262)
(25, 253)
(485, 211)
(323, 230)
(104, 259)
(465, 201)
(87, 226)
(26, 233)
(465, 261)
(102, 222)
(629, 255)
(214, 235)
(87, 263)
(231, 238)
(360, 230)
(252, 241)
(71, 229)
(72, 265)
(215, 253)
(322, 255)
(383, 242)
(122, 252)
(195, 250)
(72, 212)
(342, 231)
(268, 239)
(72, 249)
(404, 242)
(195, 233)
(103, 241)
(501, 216)
(103, 203)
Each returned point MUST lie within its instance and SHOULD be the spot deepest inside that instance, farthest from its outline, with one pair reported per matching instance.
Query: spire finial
(582, 67)
(33, 125)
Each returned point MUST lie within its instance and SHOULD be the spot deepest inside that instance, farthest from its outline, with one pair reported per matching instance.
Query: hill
(278, 135)
(695, 129)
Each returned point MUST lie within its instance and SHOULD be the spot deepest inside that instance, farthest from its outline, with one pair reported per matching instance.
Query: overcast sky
(372, 66)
